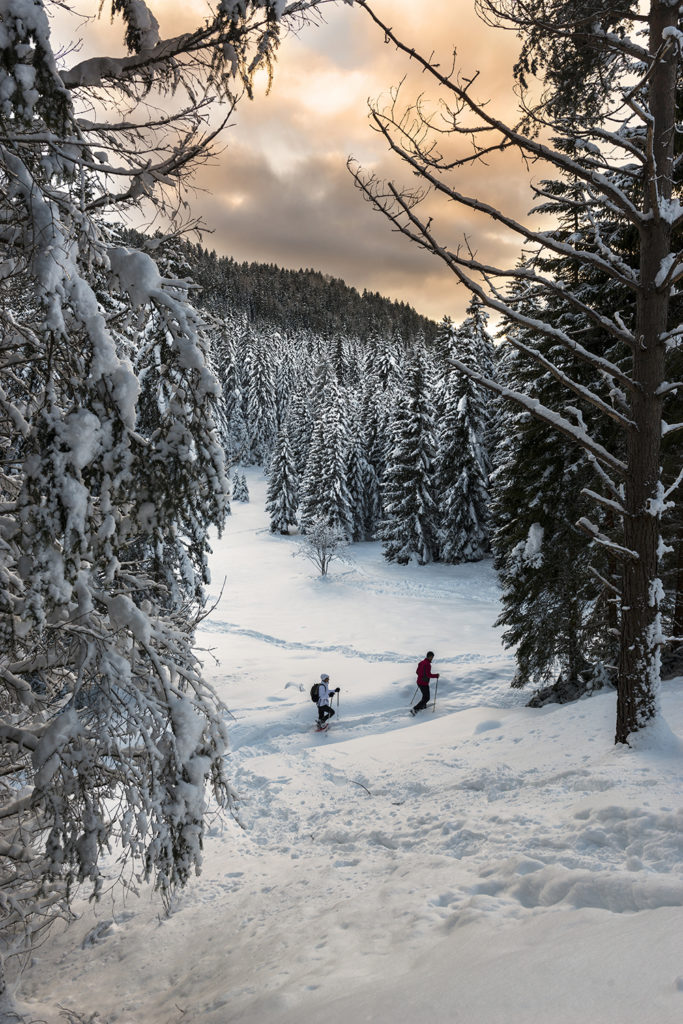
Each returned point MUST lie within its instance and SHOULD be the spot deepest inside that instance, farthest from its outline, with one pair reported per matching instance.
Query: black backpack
(314, 692)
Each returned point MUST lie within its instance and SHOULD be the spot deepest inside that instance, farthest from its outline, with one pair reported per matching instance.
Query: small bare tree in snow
(322, 544)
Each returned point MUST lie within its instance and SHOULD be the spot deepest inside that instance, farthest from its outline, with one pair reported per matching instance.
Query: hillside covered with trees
(355, 409)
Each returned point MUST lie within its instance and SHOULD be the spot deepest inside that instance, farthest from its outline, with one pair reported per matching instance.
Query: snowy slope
(482, 863)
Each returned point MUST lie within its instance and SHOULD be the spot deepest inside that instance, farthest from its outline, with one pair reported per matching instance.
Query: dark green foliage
(325, 493)
(409, 527)
(283, 486)
(302, 300)
(557, 614)
(462, 464)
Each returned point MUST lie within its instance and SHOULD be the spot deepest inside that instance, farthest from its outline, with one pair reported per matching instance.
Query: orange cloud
(304, 209)
(280, 191)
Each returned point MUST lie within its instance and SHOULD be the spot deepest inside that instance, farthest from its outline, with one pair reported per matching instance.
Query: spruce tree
(261, 400)
(283, 487)
(300, 421)
(475, 340)
(240, 489)
(559, 617)
(325, 493)
(373, 424)
(358, 476)
(462, 473)
(225, 331)
(408, 529)
(462, 463)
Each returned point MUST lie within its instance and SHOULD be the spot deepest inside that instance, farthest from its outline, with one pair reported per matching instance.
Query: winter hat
(324, 677)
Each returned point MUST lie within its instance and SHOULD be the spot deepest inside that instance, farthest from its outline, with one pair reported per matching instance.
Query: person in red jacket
(424, 674)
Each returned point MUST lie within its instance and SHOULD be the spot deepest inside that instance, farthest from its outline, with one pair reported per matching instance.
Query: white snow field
(481, 864)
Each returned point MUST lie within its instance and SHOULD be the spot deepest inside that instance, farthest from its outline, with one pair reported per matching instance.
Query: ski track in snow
(217, 626)
(396, 587)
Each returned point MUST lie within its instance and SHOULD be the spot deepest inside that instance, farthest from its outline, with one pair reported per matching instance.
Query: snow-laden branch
(156, 53)
(572, 385)
(670, 271)
(95, 71)
(674, 486)
(612, 486)
(15, 807)
(601, 579)
(21, 689)
(608, 503)
(594, 533)
(26, 739)
(541, 412)
(670, 388)
(15, 852)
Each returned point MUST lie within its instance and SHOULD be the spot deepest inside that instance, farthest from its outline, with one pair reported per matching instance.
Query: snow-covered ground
(481, 864)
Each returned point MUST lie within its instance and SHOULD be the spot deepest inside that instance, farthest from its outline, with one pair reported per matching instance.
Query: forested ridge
(300, 299)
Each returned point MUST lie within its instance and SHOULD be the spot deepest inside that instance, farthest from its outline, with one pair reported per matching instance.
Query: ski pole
(436, 690)
(337, 701)
(414, 695)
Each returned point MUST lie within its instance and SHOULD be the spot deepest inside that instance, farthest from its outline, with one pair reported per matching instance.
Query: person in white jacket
(325, 709)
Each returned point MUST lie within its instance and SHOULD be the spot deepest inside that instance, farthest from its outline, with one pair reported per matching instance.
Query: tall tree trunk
(638, 677)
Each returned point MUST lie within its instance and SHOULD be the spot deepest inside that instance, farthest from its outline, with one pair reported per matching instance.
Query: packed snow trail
(483, 863)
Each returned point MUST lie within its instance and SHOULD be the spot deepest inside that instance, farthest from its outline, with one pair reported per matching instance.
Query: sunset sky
(280, 191)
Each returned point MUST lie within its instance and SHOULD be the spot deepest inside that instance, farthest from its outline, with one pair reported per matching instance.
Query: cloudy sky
(280, 191)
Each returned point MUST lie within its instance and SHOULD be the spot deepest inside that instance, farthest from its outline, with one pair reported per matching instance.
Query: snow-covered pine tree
(560, 606)
(313, 481)
(358, 477)
(285, 366)
(283, 486)
(373, 425)
(408, 529)
(261, 401)
(300, 423)
(479, 343)
(240, 488)
(225, 329)
(184, 478)
(386, 361)
(103, 701)
(556, 616)
(462, 460)
(325, 493)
